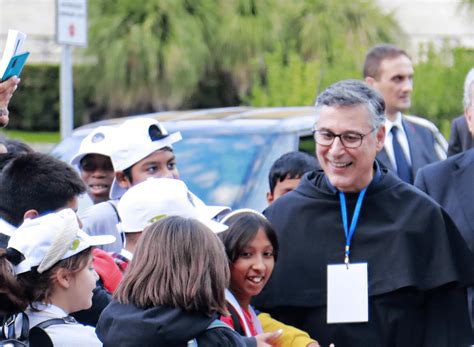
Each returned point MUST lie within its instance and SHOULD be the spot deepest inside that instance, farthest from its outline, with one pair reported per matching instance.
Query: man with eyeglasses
(365, 259)
(411, 142)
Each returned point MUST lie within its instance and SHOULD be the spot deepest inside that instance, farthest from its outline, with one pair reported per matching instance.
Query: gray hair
(353, 93)
(468, 83)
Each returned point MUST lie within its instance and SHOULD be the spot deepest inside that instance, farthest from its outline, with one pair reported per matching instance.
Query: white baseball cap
(139, 137)
(6, 228)
(156, 198)
(99, 141)
(46, 240)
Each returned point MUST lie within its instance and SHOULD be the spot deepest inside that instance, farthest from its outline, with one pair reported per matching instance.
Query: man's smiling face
(348, 169)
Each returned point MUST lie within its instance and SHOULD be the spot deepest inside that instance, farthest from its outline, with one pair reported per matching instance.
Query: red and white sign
(71, 22)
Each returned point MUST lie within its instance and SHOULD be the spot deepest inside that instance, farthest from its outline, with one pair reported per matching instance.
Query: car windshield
(217, 168)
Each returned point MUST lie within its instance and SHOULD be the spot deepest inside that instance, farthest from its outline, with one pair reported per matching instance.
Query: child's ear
(30, 214)
(122, 180)
(63, 278)
(269, 197)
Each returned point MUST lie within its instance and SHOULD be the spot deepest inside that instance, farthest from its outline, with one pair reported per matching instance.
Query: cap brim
(6, 228)
(210, 212)
(215, 227)
(116, 191)
(78, 157)
(99, 240)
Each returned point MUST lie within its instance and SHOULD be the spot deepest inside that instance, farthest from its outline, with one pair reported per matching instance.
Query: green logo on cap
(156, 218)
(75, 244)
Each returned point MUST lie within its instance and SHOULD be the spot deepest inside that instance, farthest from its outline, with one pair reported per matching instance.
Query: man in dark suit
(450, 182)
(411, 142)
(461, 138)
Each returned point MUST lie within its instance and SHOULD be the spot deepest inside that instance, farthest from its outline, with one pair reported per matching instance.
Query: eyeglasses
(348, 139)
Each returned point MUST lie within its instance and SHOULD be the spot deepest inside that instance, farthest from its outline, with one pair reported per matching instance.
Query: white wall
(423, 20)
(433, 20)
(36, 18)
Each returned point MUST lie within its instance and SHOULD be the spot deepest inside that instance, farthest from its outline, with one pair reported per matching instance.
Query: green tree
(439, 82)
(332, 36)
(150, 53)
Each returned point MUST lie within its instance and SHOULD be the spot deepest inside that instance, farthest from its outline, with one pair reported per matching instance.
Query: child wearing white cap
(97, 173)
(95, 166)
(141, 149)
(156, 198)
(47, 272)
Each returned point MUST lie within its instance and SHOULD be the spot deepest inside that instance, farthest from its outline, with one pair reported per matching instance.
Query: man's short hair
(36, 181)
(468, 84)
(352, 93)
(291, 165)
(376, 55)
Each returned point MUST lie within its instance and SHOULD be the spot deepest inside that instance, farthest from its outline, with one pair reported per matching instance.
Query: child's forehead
(289, 176)
(259, 239)
(157, 156)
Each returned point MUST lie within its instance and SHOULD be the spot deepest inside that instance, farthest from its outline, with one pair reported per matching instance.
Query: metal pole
(66, 92)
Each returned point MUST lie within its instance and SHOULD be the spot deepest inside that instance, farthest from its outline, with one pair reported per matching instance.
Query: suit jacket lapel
(382, 157)
(413, 145)
(463, 183)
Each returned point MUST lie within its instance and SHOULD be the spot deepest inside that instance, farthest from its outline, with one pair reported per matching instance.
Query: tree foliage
(322, 42)
(439, 83)
(157, 54)
(150, 53)
(154, 53)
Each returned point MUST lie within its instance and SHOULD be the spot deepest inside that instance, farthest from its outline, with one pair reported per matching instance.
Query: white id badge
(348, 294)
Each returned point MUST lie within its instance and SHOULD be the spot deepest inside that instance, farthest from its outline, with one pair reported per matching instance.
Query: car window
(217, 168)
(307, 145)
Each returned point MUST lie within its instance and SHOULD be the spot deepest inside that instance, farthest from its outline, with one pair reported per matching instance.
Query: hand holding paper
(13, 59)
(11, 65)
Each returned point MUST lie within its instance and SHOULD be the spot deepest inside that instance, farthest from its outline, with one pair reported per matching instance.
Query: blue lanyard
(350, 232)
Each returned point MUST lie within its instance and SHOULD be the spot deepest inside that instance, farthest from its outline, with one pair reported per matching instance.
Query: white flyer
(347, 293)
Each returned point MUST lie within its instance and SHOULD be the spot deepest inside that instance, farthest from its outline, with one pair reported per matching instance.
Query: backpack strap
(235, 320)
(114, 206)
(8, 333)
(38, 335)
(217, 323)
(111, 203)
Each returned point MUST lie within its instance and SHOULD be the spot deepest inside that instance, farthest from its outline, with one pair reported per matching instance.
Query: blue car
(226, 153)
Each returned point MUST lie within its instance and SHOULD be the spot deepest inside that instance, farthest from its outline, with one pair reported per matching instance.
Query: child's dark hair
(128, 171)
(291, 165)
(17, 292)
(243, 226)
(36, 181)
(15, 146)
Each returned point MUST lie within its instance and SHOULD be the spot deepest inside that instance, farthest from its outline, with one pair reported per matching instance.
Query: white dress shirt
(402, 139)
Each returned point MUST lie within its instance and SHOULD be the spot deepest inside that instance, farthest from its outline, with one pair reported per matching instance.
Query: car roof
(243, 118)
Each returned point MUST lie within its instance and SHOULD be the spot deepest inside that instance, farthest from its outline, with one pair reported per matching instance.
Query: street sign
(71, 22)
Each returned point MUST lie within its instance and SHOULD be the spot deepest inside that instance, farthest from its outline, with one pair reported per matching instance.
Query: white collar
(126, 253)
(50, 308)
(397, 122)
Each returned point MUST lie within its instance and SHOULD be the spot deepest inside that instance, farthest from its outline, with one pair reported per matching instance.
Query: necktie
(403, 168)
